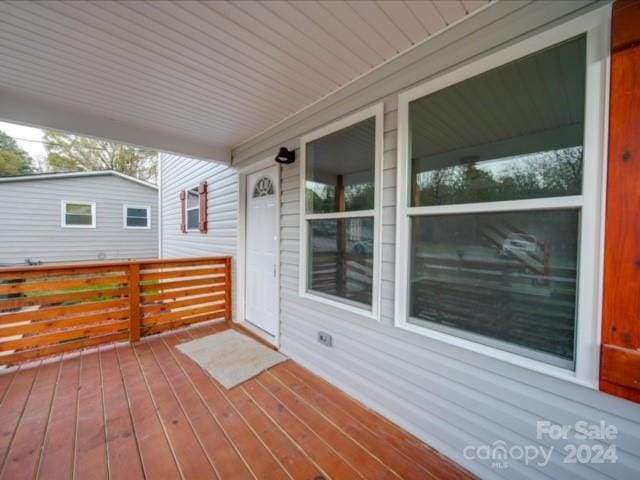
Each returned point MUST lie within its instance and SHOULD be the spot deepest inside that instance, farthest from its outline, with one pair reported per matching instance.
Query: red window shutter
(183, 211)
(203, 191)
(620, 359)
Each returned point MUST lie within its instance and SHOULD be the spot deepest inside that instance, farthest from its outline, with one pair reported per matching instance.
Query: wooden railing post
(227, 290)
(134, 302)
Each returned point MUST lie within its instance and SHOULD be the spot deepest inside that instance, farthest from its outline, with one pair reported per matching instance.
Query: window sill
(78, 226)
(497, 354)
(361, 311)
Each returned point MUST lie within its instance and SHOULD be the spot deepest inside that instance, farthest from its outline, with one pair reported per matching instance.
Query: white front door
(261, 293)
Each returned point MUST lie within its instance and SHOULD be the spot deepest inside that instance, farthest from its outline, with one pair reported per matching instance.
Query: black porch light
(286, 156)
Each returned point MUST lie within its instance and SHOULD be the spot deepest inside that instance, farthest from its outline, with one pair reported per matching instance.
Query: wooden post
(134, 302)
(620, 359)
(341, 240)
(227, 291)
(341, 205)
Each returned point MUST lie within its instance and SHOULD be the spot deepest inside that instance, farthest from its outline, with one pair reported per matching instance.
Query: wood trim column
(620, 361)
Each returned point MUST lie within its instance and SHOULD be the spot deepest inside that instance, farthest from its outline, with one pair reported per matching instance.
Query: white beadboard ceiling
(195, 77)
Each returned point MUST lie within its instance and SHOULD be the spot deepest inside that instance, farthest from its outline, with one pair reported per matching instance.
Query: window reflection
(545, 174)
(340, 168)
(514, 132)
(508, 276)
(341, 258)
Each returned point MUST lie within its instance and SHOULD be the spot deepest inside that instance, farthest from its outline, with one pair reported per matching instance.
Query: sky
(32, 143)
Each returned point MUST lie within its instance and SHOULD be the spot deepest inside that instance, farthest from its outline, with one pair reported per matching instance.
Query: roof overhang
(197, 78)
(38, 112)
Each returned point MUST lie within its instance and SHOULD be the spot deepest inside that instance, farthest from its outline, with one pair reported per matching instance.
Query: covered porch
(398, 300)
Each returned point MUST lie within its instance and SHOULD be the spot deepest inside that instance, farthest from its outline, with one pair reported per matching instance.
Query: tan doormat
(230, 357)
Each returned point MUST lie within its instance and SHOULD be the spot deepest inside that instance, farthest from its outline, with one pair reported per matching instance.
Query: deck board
(286, 452)
(91, 446)
(256, 454)
(156, 454)
(24, 453)
(367, 464)
(6, 380)
(148, 411)
(390, 434)
(219, 450)
(190, 455)
(12, 407)
(122, 449)
(394, 459)
(57, 455)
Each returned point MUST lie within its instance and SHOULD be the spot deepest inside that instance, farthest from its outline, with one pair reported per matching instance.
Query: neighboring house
(436, 247)
(63, 217)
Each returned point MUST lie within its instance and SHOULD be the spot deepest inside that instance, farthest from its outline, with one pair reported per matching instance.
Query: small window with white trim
(78, 214)
(193, 209)
(137, 216)
(340, 175)
(499, 172)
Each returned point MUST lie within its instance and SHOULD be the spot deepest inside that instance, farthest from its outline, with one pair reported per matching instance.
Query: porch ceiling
(195, 78)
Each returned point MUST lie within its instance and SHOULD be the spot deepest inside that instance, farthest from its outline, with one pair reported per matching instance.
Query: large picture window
(499, 183)
(339, 211)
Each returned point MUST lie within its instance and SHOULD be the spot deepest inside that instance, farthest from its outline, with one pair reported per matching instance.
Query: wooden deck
(147, 411)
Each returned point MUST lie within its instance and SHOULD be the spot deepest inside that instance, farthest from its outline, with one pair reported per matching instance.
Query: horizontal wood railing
(45, 310)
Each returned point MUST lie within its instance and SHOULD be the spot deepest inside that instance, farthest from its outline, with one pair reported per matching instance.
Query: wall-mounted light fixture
(286, 156)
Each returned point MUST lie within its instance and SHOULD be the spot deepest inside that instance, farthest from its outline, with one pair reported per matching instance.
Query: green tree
(73, 153)
(473, 184)
(13, 160)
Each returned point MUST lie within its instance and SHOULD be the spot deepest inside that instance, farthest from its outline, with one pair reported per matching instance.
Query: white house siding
(30, 220)
(181, 173)
(448, 396)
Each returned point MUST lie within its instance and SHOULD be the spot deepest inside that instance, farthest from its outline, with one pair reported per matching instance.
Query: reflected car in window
(519, 244)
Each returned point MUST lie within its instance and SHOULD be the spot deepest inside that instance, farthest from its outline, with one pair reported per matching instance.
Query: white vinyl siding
(182, 173)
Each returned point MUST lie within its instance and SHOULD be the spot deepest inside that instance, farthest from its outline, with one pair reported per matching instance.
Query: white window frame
(187, 209)
(63, 212)
(596, 26)
(377, 112)
(125, 207)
